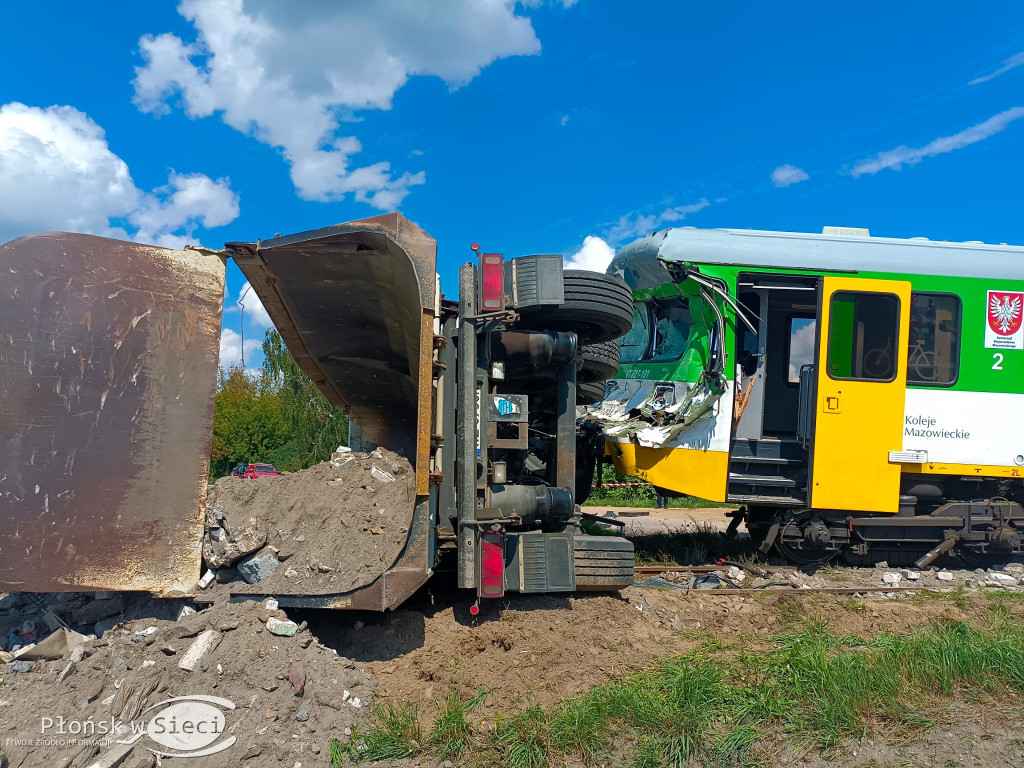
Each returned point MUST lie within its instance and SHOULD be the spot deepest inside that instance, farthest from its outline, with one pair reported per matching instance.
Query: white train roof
(836, 250)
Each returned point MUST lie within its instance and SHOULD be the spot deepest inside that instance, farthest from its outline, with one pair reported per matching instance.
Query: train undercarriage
(981, 532)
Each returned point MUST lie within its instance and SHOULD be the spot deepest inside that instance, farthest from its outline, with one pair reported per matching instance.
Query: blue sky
(543, 127)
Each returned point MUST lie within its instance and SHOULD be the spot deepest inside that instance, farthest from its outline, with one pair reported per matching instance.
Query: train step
(768, 447)
(773, 481)
(789, 502)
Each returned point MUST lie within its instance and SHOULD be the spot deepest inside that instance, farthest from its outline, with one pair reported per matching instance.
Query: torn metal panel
(657, 414)
(108, 368)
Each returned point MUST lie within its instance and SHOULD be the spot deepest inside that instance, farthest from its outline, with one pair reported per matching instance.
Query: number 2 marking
(998, 364)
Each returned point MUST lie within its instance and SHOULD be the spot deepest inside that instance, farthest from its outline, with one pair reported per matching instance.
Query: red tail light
(492, 280)
(492, 564)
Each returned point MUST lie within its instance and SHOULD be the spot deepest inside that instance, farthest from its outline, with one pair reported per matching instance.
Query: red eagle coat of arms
(1004, 312)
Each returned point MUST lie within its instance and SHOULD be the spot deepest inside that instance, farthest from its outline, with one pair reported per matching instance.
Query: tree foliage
(277, 416)
(248, 425)
(317, 427)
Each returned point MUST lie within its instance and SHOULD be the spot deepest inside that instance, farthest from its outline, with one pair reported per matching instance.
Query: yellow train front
(855, 395)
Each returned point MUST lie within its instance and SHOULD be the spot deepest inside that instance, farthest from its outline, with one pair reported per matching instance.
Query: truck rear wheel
(598, 362)
(589, 394)
(597, 308)
(603, 563)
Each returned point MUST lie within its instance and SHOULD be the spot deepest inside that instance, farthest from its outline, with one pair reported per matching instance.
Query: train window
(672, 325)
(933, 358)
(862, 334)
(633, 345)
(801, 345)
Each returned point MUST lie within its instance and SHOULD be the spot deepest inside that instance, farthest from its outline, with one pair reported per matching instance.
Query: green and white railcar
(854, 394)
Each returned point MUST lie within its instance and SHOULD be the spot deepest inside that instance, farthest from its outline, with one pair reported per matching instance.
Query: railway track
(655, 570)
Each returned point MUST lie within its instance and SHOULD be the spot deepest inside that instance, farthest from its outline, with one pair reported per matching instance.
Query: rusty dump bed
(108, 367)
(355, 304)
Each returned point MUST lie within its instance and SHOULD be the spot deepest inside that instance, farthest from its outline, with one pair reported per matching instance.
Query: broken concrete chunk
(283, 628)
(257, 567)
(1003, 579)
(227, 543)
(186, 610)
(735, 574)
(201, 647)
(911, 575)
(381, 476)
(891, 578)
(944, 576)
(64, 673)
(207, 579)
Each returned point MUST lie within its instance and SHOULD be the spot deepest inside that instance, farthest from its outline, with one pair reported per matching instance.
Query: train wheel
(810, 556)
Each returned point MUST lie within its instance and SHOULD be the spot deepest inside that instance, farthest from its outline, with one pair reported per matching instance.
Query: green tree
(248, 425)
(317, 427)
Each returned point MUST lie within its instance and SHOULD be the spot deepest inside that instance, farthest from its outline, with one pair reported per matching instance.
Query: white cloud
(186, 201)
(904, 155)
(290, 73)
(787, 175)
(595, 255)
(565, 120)
(1013, 62)
(58, 172)
(634, 225)
(231, 346)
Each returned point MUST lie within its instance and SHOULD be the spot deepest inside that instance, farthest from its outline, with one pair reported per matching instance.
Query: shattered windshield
(672, 324)
(633, 345)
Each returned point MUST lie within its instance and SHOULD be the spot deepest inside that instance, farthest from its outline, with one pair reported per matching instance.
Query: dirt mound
(291, 694)
(544, 648)
(332, 528)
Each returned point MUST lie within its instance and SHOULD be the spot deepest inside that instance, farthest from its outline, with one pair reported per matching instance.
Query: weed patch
(724, 705)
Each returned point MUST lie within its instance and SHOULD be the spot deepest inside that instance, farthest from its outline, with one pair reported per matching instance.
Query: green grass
(638, 495)
(726, 705)
(451, 734)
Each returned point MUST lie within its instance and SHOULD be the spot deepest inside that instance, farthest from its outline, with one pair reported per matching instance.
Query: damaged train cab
(856, 395)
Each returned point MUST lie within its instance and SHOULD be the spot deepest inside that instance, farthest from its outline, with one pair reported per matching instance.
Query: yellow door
(862, 382)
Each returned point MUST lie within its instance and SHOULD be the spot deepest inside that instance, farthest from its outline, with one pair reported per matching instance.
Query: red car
(260, 470)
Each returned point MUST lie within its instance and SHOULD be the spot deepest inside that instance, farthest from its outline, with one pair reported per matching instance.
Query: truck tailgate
(108, 368)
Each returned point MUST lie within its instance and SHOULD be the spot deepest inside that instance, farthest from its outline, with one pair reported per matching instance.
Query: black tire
(603, 563)
(598, 362)
(597, 308)
(590, 393)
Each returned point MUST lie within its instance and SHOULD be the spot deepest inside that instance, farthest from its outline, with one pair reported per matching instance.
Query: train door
(861, 373)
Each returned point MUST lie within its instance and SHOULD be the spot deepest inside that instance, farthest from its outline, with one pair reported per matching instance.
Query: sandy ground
(522, 649)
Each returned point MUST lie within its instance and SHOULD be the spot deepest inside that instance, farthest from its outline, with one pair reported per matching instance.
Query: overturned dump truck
(108, 366)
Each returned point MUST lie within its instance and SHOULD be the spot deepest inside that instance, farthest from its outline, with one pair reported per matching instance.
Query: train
(857, 397)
